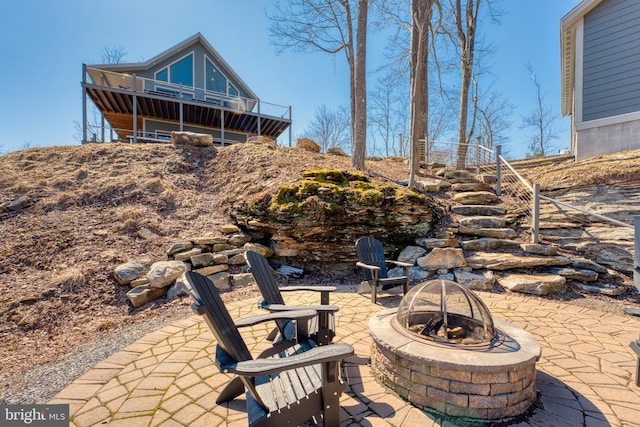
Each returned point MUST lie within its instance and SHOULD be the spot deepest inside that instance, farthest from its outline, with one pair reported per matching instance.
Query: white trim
(608, 121)
(578, 12)
(579, 70)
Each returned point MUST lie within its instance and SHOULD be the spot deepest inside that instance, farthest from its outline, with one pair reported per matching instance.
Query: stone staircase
(483, 246)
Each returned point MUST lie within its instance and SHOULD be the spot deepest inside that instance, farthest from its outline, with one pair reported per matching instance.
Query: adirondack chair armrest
(367, 266)
(400, 263)
(279, 315)
(324, 291)
(308, 288)
(314, 356)
(282, 307)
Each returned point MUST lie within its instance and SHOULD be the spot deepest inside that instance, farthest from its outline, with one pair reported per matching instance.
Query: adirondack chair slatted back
(370, 251)
(224, 329)
(263, 274)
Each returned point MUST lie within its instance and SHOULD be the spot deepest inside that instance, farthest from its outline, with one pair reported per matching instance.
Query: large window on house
(215, 80)
(163, 75)
(180, 72)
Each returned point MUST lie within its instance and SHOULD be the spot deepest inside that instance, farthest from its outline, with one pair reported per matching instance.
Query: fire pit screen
(446, 312)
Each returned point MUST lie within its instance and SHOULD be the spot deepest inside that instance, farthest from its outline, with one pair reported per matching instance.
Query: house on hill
(188, 87)
(600, 47)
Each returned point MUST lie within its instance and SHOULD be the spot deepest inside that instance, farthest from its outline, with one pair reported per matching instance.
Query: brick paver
(585, 376)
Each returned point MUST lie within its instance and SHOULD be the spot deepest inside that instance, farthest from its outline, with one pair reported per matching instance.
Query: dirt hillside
(69, 215)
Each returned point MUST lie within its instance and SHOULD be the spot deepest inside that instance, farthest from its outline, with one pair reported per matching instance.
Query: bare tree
(542, 120)
(329, 128)
(387, 110)
(494, 113)
(112, 55)
(466, 34)
(326, 26)
(359, 145)
(461, 31)
(421, 14)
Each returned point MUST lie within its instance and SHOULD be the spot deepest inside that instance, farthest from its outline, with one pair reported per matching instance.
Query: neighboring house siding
(611, 75)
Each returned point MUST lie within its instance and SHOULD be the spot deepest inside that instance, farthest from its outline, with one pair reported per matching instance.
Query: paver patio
(586, 374)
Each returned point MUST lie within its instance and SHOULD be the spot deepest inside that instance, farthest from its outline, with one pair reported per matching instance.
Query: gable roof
(182, 46)
(568, 50)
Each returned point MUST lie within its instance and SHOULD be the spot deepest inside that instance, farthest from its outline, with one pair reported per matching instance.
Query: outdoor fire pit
(442, 350)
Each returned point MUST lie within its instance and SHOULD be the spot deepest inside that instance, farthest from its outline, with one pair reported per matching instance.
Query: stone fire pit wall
(478, 384)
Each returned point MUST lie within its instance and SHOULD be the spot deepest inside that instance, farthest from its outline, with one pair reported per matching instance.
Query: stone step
(536, 284)
(459, 176)
(483, 222)
(507, 261)
(475, 198)
(471, 186)
(475, 210)
(489, 244)
(496, 233)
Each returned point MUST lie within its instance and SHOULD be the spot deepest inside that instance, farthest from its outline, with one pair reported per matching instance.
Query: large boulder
(476, 282)
(163, 273)
(337, 151)
(442, 259)
(191, 138)
(307, 144)
(133, 270)
(536, 284)
(143, 294)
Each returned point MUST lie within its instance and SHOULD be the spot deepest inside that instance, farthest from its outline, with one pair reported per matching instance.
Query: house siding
(611, 73)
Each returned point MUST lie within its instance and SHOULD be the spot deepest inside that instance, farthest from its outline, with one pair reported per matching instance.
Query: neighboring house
(188, 87)
(600, 52)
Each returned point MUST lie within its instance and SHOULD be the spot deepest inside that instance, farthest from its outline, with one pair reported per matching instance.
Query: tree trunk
(359, 95)
(421, 12)
(466, 31)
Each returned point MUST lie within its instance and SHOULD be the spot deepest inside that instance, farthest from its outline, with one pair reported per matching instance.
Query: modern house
(188, 87)
(600, 48)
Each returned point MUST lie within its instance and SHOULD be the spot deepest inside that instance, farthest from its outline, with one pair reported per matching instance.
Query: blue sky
(43, 44)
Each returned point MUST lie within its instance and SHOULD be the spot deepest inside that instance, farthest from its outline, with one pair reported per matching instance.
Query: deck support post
(84, 104)
(259, 123)
(222, 128)
(135, 112)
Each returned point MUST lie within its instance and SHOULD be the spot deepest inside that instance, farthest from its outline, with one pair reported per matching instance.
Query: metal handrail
(520, 178)
(602, 217)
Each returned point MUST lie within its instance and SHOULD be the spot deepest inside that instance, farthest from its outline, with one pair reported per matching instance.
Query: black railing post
(535, 215)
(477, 155)
(636, 253)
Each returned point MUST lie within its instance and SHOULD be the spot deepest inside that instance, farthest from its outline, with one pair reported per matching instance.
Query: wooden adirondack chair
(321, 328)
(286, 387)
(371, 255)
